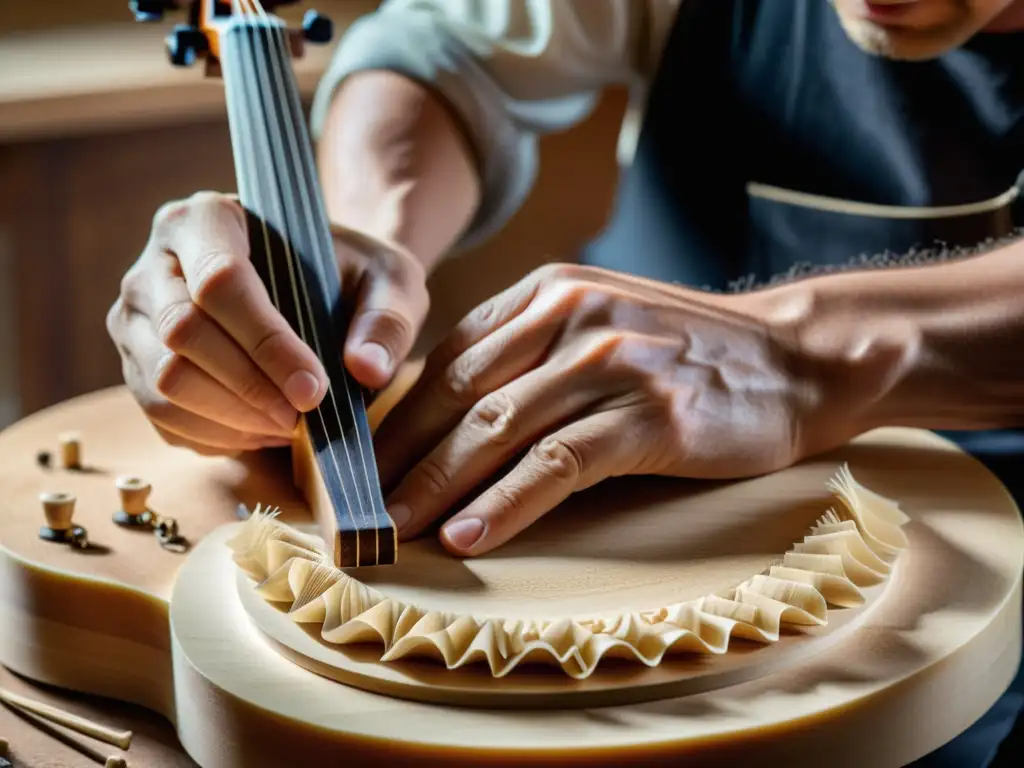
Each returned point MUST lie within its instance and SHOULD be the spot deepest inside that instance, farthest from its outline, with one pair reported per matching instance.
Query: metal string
(303, 306)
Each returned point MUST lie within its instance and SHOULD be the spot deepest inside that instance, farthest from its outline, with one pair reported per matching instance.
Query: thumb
(391, 304)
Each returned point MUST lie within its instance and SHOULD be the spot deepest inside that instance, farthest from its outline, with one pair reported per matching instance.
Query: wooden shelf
(83, 79)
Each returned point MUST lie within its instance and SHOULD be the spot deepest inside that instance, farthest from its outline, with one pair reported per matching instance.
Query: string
(299, 307)
(308, 212)
(295, 152)
(307, 305)
(311, 209)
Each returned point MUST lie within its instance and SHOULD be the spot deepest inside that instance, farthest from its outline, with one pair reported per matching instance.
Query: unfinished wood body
(134, 621)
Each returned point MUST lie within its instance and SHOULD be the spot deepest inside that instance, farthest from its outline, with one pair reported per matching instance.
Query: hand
(593, 374)
(211, 361)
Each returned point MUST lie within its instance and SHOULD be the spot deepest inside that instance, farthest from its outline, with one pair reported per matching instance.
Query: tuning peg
(317, 28)
(184, 44)
(151, 10)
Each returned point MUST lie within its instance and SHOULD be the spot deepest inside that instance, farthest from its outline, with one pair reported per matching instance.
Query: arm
(936, 347)
(430, 114)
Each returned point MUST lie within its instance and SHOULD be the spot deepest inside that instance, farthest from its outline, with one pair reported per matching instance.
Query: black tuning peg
(151, 10)
(317, 28)
(184, 44)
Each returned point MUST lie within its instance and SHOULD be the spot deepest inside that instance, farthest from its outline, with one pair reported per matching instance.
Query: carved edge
(853, 546)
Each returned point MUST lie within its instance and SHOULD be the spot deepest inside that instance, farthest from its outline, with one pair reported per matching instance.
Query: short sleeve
(513, 70)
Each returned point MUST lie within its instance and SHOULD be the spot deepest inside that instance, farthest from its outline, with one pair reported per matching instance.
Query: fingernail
(377, 356)
(401, 515)
(463, 534)
(301, 389)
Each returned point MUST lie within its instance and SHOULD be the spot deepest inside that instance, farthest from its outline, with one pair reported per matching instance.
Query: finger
(185, 329)
(436, 403)
(390, 308)
(483, 320)
(177, 379)
(189, 426)
(493, 432)
(513, 301)
(193, 428)
(211, 246)
(599, 446)
(177, 441)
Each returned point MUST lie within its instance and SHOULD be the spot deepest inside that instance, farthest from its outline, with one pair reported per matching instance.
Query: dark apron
(756, 100)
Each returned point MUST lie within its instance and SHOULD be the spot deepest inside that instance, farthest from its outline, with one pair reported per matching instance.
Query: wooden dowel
(122, 739)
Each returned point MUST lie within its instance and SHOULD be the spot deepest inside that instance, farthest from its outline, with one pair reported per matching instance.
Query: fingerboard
(292, 249)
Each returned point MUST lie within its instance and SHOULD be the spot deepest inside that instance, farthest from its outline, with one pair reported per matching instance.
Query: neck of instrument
(292, 249)
(274, 160)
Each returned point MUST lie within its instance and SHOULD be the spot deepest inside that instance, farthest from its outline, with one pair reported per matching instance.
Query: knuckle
(168, 215)
(497, 416)
(133, 282)
(509, 501)
(458, 383)
(389, 327)
(254, 390)
(430, 475)
(171, 375)
(217, 273)
(556, 272)
(113, 318)
(604, 354)
(559, 458)
(179, 325)
(565, 297)
(483, 314)
(205, 198)
(271, 348)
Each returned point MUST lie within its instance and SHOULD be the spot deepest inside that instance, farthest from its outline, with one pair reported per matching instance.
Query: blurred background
(97, 130)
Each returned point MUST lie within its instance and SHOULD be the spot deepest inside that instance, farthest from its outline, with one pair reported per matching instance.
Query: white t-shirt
(514, 70)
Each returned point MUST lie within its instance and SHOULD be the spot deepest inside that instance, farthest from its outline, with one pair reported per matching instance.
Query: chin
(901, 45)
(938, 29)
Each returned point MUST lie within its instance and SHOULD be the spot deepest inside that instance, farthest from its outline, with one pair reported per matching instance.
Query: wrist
(854, 356)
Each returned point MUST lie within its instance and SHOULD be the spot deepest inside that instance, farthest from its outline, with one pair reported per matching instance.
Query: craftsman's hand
(214, 365)
(593, 374)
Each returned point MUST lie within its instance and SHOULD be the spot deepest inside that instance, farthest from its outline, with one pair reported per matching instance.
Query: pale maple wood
(169, 632)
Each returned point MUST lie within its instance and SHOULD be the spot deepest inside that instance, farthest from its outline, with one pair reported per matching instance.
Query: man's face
(915, 29)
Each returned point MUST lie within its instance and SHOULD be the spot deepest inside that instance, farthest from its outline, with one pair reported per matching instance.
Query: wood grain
(142, 626)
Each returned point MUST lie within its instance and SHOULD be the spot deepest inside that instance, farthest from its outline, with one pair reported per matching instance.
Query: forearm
(394, 164)
(936, 347)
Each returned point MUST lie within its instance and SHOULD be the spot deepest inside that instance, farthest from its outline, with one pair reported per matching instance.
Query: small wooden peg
(115, 762)
(4, 747)
(134, 492)
(58, 508)
(71, 450)
(59, 512)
